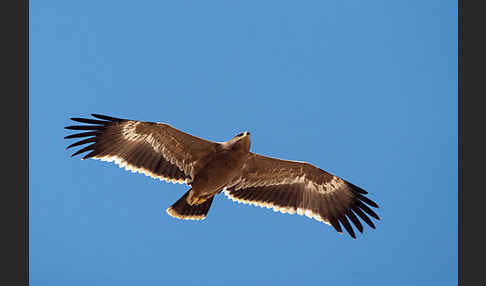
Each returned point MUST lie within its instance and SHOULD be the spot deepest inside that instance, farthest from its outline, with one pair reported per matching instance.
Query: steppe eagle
(209, 168)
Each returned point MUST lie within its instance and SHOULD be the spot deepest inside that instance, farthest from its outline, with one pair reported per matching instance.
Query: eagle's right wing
(299, 187)
(155, 149)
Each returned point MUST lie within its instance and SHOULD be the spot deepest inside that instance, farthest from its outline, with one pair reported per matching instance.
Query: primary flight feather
(209, 168)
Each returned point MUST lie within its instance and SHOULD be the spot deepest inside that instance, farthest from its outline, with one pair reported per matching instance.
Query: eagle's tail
(182, 210)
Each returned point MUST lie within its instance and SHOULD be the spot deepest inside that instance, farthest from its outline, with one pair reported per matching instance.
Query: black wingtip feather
(363, 216)
(356, 189)
(355, 220)
(85, 149)
(105, 117)
(88, 121)
(90, 155)
(85, 127)
(368, 201)
(335, 223)
(89, 140)
(367, 209)
(82, 134)
(344, 221)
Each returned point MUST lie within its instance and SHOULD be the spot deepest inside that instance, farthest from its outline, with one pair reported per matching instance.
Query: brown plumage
(163, 152)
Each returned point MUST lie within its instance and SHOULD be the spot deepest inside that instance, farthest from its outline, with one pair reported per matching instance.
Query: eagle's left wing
(299, 187)
(155, 149)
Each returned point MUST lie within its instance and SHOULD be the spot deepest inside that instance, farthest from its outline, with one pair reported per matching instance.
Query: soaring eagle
(209, 168)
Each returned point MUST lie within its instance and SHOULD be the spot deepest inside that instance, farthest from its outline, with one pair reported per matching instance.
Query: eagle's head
(241, 142)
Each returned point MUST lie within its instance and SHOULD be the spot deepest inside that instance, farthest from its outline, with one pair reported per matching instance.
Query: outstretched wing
(298, 187)
(155, 149)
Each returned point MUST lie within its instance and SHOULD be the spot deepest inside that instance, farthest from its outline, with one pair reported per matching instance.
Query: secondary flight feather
(209, 168)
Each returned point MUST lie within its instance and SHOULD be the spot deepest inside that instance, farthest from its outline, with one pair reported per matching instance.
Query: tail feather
(182, 210)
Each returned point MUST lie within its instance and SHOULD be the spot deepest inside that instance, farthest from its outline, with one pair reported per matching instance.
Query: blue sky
(366, 90)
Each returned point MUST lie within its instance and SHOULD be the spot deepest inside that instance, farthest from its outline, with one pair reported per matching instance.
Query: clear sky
(366, 90)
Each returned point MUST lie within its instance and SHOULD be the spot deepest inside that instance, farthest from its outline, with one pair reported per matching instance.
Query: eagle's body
(225, 165)
(163, 152)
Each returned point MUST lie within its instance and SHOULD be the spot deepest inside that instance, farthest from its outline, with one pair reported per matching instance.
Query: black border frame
(470, 144)
(15, 193)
